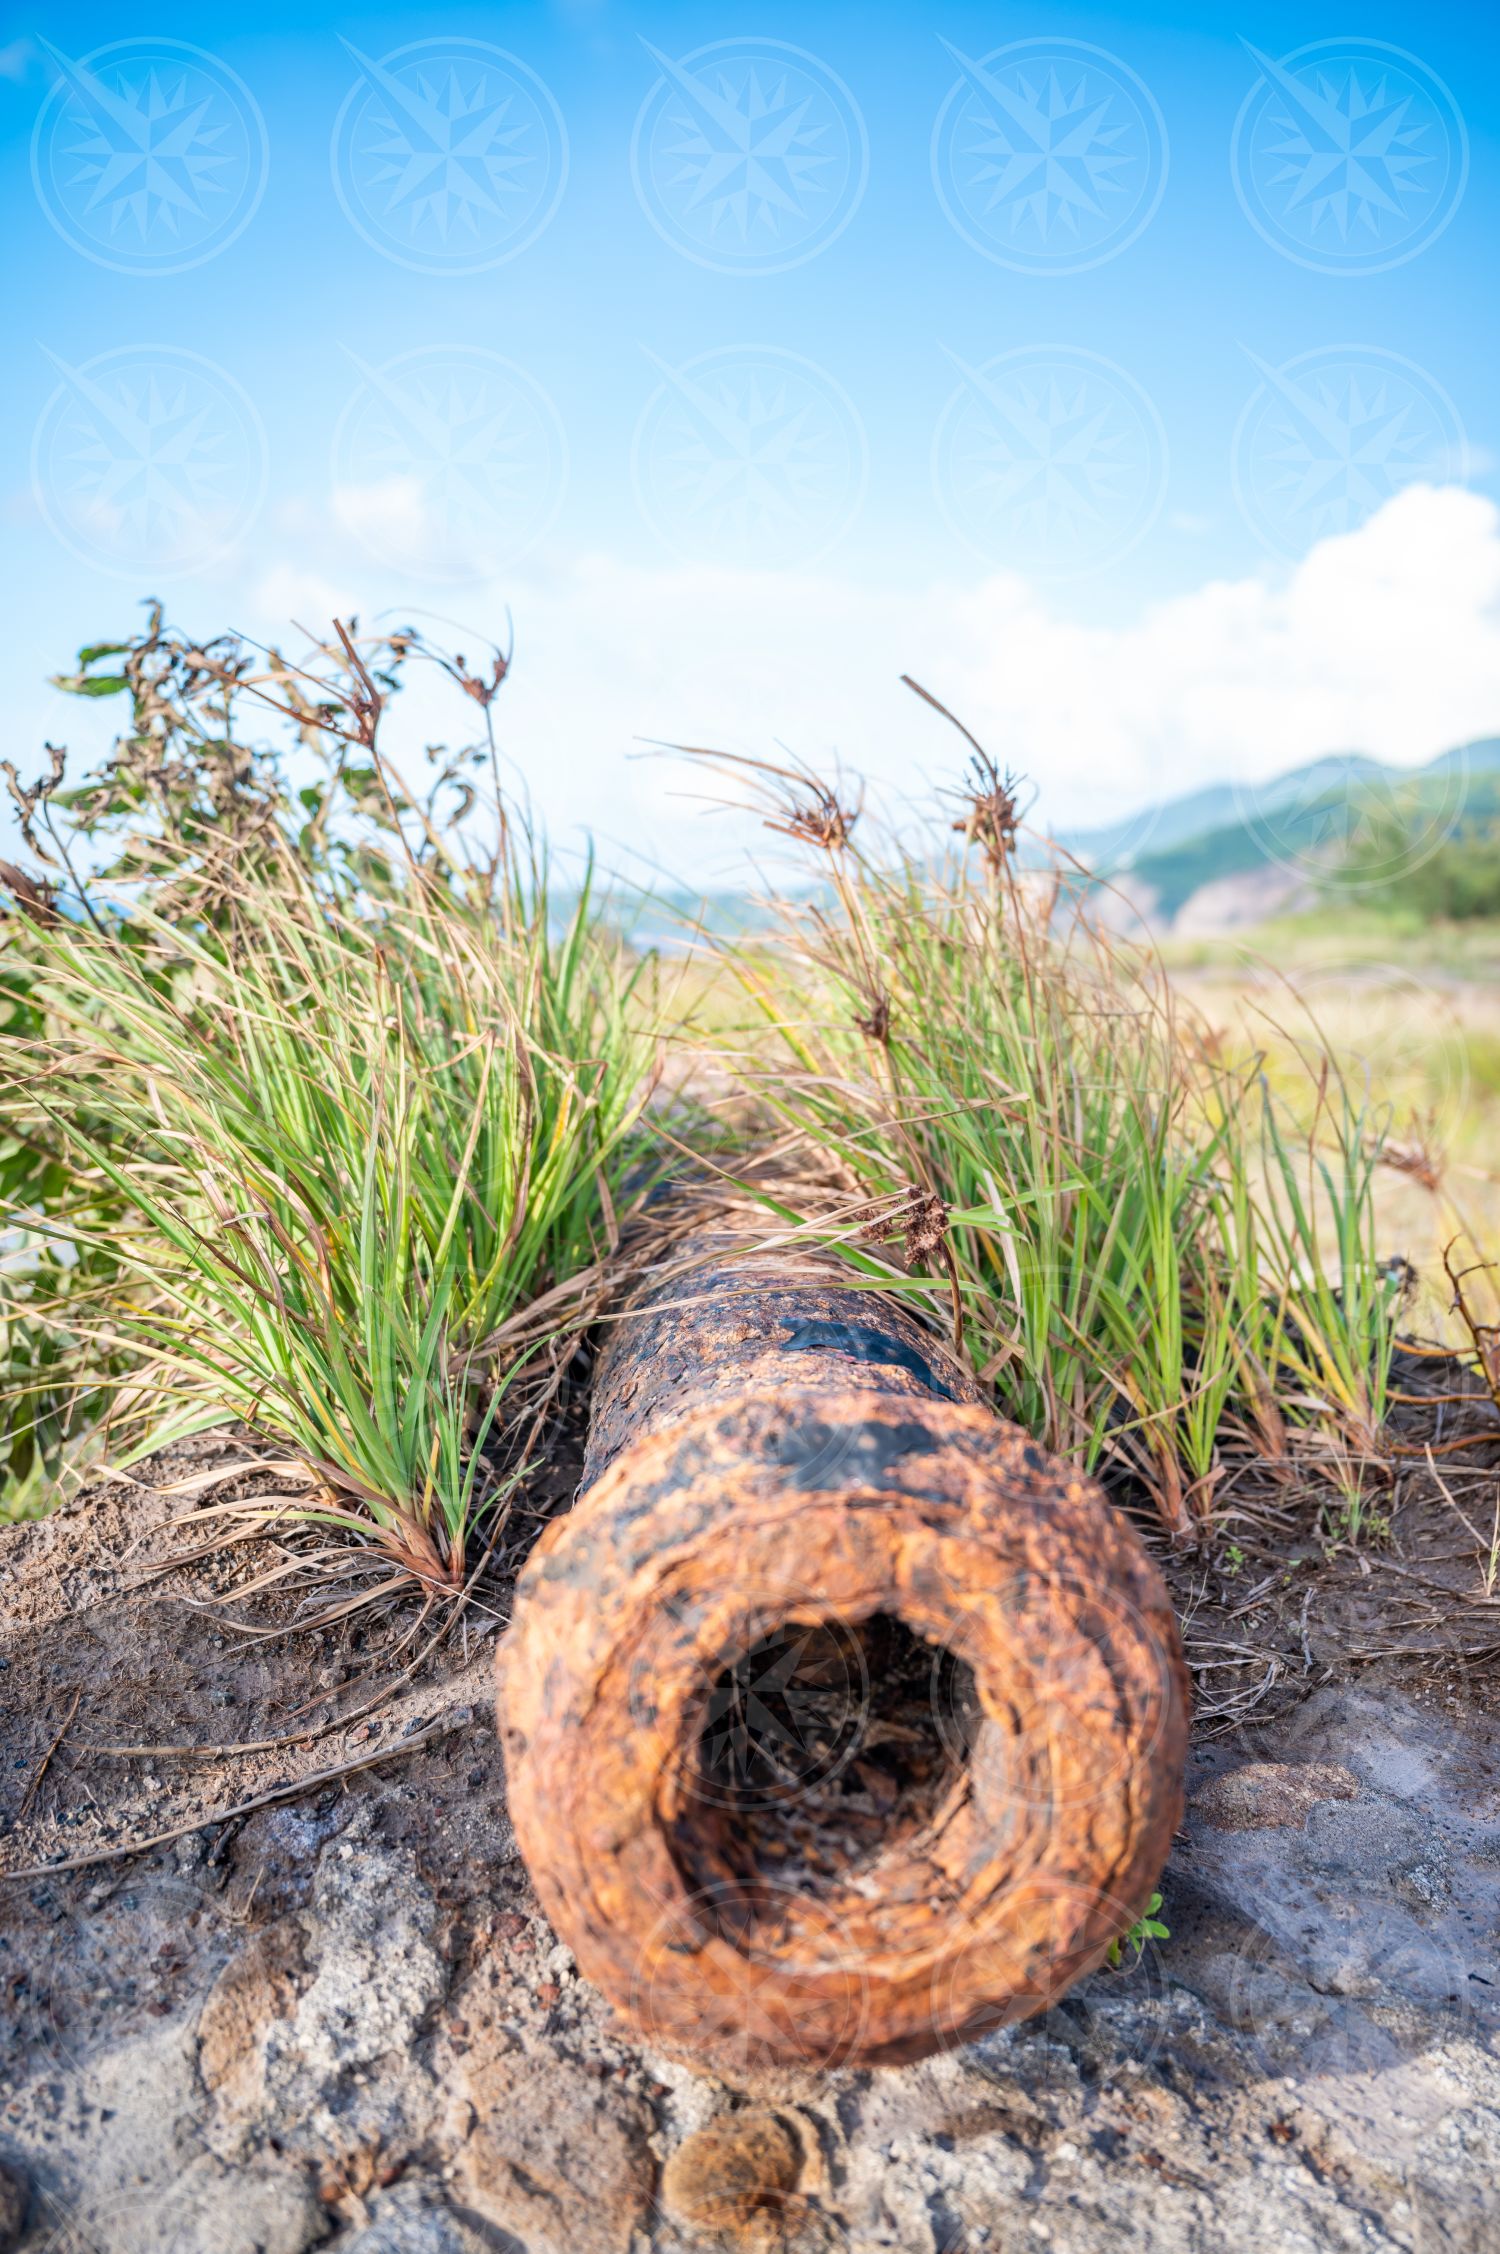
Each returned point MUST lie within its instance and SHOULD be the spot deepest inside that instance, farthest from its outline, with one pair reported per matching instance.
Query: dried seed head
(926, 1221)
(876, 1022)
(878, 1223)
(919, 1216)
(1421, 1159)
(991, 815)
(814, 816)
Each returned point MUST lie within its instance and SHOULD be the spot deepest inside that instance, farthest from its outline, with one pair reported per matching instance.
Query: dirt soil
(329, 2013)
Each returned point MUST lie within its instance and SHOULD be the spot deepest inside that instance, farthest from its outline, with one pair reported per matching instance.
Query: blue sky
(1102, 350)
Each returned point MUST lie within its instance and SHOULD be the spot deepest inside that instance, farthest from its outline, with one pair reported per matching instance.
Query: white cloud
(393, 520)
(288, 596)
(1386, 640)
(389, 512)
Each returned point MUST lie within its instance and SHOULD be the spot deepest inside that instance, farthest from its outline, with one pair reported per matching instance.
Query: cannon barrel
(842, 1722)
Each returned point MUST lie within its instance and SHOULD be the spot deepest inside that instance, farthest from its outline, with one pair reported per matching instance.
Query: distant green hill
(1199, 813)
(1318, 816)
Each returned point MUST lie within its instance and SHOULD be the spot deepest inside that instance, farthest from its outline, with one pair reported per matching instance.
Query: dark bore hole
(822, 1747)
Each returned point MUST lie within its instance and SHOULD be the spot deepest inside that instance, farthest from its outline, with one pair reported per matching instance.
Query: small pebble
(727, 2175)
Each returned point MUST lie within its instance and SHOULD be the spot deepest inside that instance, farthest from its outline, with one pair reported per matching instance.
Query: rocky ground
(331, 2015)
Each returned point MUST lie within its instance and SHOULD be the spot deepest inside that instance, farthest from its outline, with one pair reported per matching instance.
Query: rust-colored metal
(842, 1722)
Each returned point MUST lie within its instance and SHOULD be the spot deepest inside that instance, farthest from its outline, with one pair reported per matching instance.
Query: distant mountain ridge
(1235, 853)
(1198, 814)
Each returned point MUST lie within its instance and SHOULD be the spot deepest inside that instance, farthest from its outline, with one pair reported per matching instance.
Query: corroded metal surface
(789, 1468)
(723, 1323)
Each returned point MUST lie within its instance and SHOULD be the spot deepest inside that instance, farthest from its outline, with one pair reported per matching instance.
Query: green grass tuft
(1142, 1253)
(303, 1131)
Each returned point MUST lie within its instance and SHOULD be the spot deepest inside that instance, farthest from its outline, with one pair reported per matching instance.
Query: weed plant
(329, 1107)
(1143, 1253)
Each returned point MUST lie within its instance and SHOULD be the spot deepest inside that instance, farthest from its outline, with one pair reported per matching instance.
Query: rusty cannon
(842, 1722)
